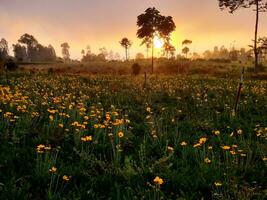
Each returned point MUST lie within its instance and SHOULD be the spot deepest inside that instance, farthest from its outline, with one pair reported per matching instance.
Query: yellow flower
(75, 123)
(217, 183)
(264, 158)
(148, 109)
(239, 131)
(183, 143)
(207, 160)
(96, 125)
(51, 117)
(216, 132)
(203, 140)
(47, 148)
(66, 178)
(210, 148)
(197, 145)
(233, 152)
(158, 180)
(87, 138)
(60, 125)
(170, 148)
(226, 147)
(40, 148)
(53, 169)
(120, 134)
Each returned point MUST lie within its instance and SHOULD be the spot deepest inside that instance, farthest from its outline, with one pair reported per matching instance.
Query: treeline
(28, 49)
(234, 54)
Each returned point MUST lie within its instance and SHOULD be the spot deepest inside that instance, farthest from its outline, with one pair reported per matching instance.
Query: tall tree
(168, 49)
(185, 51)
(151, 23)
(28, 39)
(65, 51)
(88, 50)
(31, 44)
(3, 49)
(83, 52)
(20, 52)
(262, 47)
(103, 53)
(260, 6)
(126, 43)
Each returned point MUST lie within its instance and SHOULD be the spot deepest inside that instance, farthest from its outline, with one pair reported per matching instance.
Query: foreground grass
(102, 137)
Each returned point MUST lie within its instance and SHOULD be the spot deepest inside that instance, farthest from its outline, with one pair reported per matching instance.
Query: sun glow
(158, 42)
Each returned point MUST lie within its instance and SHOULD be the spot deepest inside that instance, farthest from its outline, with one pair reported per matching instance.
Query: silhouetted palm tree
(126, 43)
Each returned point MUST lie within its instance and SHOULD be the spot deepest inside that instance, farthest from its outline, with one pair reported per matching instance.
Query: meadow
(112, 137)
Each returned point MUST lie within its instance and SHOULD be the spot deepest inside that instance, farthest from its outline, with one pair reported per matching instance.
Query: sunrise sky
(101, 23)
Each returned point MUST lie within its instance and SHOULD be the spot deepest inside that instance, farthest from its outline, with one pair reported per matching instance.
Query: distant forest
(28, 49)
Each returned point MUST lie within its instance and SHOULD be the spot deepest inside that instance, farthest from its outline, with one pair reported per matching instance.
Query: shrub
(11, 65)
(136, 68)
(50, 70)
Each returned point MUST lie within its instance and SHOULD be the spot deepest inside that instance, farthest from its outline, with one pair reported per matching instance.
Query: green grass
(169, 130)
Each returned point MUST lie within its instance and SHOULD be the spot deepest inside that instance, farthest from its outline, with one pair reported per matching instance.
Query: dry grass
(162, 66)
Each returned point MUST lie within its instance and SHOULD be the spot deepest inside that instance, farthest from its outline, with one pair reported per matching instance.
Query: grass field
(107, 137)
(162, 66)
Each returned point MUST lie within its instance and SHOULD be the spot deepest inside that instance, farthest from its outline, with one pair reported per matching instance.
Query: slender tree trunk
(256, 53)
(126, 56)
(152, 66)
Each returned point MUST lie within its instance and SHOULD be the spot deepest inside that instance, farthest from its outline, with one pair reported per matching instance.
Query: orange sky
(103, 23)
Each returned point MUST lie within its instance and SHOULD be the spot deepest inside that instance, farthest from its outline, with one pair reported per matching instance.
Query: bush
(50, 70)
(136, 68)
(11, 65)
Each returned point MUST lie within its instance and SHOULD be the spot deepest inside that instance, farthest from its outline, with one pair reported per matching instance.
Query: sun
(158, 42)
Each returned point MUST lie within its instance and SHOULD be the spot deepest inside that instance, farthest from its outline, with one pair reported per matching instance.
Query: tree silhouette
(169, 49)
(186, 42)
(88, 49)
(151, 23)
(126, 43)
(20, 52)
(28, 39)
(185, 51)
(260, 6)
(103, 53)
(28, 49)
(261, 46)
(65, 51)
(83, 52)
(31, 43)
(3, 49)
